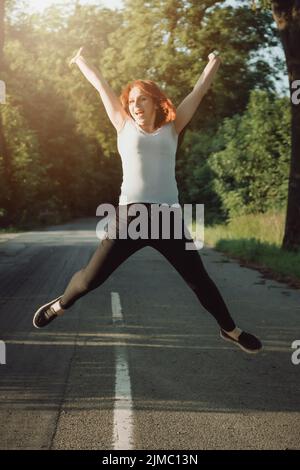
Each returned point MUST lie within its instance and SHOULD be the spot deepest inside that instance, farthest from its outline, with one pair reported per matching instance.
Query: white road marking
(116, 308)
(123, 414)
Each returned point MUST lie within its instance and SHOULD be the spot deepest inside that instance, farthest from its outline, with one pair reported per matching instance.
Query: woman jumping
(148, 126)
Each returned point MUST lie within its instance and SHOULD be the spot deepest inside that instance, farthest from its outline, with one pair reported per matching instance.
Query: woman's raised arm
(111, 102)
(189, 105)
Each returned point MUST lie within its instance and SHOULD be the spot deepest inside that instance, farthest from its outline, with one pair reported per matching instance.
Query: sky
(40, 5)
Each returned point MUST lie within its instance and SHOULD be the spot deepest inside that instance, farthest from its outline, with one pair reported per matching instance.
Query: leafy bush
(251, 171)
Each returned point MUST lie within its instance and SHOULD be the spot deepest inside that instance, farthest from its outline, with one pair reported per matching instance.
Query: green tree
(62, 110)
(26, 169)
(5, 157)
(286, 14)
(251, 171)
(172, 45)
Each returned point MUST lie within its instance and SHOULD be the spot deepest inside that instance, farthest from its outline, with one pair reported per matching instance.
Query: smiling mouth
(139, 114)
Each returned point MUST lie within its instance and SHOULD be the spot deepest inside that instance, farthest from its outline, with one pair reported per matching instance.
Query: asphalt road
(138, 363)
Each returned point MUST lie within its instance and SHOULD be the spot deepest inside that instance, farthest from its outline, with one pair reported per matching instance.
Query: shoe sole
(256, 351)
(41, 308)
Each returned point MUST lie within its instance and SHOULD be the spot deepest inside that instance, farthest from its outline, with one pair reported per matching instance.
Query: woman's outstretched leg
(110, 254)
(189, 265)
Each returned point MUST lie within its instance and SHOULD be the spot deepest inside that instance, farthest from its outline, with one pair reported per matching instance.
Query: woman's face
(141, 106)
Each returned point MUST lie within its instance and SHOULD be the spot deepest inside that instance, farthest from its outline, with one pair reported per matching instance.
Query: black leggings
(112, 252)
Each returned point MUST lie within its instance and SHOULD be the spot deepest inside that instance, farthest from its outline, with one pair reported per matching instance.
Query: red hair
(166, 111)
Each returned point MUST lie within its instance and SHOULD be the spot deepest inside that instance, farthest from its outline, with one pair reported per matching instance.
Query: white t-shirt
(148, 162)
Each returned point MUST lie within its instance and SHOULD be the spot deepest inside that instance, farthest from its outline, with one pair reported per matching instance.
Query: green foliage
(173, 44)
(195, 175)
(26, 171)
(62, 112)
(251, 172)
(261, 4)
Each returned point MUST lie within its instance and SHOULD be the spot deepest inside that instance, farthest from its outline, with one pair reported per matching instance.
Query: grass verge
(255, 240)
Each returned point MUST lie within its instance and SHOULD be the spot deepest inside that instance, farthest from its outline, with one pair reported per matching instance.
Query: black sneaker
(45, 314)
(247, 342)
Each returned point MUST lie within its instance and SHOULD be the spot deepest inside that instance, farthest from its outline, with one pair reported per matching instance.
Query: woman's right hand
(74, 59)
(215, 55)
